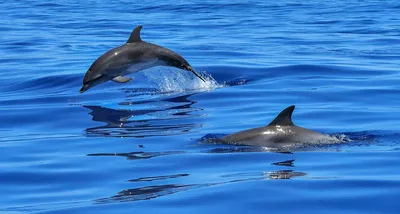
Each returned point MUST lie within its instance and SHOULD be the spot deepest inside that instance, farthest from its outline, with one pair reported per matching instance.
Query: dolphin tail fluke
(189, 68)
(198, 75)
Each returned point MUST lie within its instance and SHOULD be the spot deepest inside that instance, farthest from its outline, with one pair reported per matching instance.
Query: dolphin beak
(189, 68)
(84, 88)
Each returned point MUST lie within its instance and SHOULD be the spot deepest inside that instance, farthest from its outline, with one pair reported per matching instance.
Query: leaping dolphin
(280, 133)
(135, 55)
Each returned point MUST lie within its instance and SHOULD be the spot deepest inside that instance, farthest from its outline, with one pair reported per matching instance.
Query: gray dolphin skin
(134, 56)
(280, 133)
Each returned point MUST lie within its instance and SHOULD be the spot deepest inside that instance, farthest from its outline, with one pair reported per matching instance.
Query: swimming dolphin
(135, 55)
(280, 133)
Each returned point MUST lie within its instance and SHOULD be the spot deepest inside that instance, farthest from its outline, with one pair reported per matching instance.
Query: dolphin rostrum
(135, 55)
(280, 133)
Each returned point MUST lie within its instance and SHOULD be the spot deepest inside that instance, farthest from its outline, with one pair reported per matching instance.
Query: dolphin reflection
(160, 117)
(137, 155)
(151, 191)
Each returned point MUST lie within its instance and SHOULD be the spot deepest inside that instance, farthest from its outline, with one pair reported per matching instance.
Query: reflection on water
(159, 117)
(155, 191)
(113, 117)
(156, 178)
(284, 174)
(151, 190)
(146, 193)
(137, 155)
(284, 163)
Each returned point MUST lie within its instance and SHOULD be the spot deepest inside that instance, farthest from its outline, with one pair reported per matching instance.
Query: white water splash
(176, 80)
(341, 138)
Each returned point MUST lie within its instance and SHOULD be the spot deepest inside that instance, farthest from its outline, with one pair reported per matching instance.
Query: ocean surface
(142, 147)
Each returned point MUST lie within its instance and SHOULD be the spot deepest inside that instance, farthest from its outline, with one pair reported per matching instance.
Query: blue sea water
(139, 147)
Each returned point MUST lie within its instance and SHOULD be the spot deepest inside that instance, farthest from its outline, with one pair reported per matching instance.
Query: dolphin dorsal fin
(284, 118)
(135, 35)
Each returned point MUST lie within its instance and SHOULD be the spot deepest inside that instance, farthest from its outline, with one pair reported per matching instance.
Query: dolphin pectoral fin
(121, 79)
(135, 35)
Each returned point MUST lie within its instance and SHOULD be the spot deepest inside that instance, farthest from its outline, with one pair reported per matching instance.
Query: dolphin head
(87, 81)
(94, 76)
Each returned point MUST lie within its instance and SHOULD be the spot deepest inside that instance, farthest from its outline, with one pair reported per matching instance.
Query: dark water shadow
(159, 117)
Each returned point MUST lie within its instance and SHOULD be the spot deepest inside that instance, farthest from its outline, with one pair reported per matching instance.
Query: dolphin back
(281, 132)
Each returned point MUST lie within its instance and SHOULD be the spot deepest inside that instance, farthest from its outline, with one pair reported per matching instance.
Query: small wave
(46, 84)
